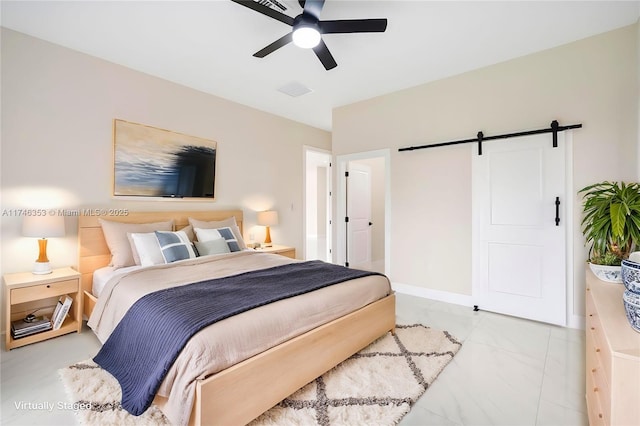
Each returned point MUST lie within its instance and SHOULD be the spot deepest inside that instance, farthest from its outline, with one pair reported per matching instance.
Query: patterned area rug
(378, 385)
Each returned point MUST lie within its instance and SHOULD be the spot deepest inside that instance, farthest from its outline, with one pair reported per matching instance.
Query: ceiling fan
(308, 28)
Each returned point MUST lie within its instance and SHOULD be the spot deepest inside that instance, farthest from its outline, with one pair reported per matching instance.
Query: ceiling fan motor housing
(305, 20)
(306, 31)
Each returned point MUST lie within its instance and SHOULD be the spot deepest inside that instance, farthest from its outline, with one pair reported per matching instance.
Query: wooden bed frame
(242, 392)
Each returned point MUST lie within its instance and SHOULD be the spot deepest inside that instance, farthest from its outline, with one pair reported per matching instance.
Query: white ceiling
(208, 45)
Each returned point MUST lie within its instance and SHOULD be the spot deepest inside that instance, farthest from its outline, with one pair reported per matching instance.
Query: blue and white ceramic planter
(632, 308)
(607, 273)
(631, 275)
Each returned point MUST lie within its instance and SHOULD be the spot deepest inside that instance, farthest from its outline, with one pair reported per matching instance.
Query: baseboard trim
(573, 321)
(576, 321)
(427, 293)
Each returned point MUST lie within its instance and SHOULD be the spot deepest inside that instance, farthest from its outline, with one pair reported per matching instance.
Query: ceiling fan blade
(322, 52)
(313, 7)
(265, 10)
(353, 26)
(282, 41)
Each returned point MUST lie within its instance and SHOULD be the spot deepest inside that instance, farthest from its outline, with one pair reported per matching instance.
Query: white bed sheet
(102, 275)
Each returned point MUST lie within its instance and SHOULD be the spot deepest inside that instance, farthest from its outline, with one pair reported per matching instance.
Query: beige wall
(593, 82)
(57, 112)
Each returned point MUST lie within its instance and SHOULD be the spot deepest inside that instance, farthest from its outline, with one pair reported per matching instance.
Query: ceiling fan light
(306, 37)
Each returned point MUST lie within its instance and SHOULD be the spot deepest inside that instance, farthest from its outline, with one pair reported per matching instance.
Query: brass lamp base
(42, 265)
(267, 239)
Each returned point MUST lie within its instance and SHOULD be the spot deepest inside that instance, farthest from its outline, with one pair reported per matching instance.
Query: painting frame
(151, 163)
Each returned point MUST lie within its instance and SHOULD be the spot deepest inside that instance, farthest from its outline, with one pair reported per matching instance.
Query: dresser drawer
(594, 406)
(600, 387)
(596, 340)
(597, 345)
(43, 291)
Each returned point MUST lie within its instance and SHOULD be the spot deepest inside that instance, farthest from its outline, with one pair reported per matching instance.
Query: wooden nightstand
(281, 250)
(25, 293)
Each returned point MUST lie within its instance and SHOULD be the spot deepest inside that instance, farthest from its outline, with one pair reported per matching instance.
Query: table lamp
(268, 218)
(43, 227)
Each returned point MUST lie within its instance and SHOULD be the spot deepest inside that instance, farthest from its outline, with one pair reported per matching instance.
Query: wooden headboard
(93, 252)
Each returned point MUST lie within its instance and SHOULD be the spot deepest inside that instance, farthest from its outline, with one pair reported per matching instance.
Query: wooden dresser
(612, 357)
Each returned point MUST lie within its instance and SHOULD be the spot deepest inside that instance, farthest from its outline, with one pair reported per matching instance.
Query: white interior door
(380, 186)
(519, 250)
(359, 214)
(318, 216)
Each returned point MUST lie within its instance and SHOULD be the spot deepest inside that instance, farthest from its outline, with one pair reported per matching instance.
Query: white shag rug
(376, 386)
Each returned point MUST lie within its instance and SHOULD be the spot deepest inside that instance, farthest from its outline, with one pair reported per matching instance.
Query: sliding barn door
(519, 246)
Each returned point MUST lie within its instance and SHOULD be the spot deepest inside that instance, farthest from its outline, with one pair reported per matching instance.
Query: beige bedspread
(234, 339)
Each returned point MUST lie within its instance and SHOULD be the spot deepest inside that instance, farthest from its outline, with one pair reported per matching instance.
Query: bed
(236, 394)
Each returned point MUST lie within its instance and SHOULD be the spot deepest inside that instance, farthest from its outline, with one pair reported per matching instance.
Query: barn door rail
(480, 137)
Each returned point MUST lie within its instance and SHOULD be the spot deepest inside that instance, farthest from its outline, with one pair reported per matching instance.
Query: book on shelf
(57, 309)
(61, 311)
(22, 328)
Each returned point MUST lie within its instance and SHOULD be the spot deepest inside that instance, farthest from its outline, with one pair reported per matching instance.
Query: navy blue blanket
(146, 342)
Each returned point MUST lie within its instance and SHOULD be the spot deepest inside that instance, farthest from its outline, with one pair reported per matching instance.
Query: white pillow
(147, 247)
(207, 234)
(215, 224)
(226, 233)
(115, 234)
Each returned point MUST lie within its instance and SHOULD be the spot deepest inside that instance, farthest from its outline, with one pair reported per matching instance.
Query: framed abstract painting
(152, 162)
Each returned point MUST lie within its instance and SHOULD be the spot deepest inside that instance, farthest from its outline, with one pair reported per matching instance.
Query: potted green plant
(611, 224)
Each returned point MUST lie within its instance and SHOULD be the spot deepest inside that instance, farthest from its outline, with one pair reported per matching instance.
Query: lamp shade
(268, 218)
(43, 226)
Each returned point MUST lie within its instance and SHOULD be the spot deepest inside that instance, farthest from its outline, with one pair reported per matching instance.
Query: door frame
(341, 207)
(573, 319)
(305, 151)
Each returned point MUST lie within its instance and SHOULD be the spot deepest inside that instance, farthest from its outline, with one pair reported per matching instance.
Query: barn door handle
(557, 211)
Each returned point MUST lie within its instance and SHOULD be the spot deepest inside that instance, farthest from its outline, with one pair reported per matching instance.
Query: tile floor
(508, 372)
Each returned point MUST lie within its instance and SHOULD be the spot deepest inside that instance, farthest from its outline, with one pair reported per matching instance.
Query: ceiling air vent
(294, 89)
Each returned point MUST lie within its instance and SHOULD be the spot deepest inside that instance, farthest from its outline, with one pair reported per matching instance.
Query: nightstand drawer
(43, 291)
